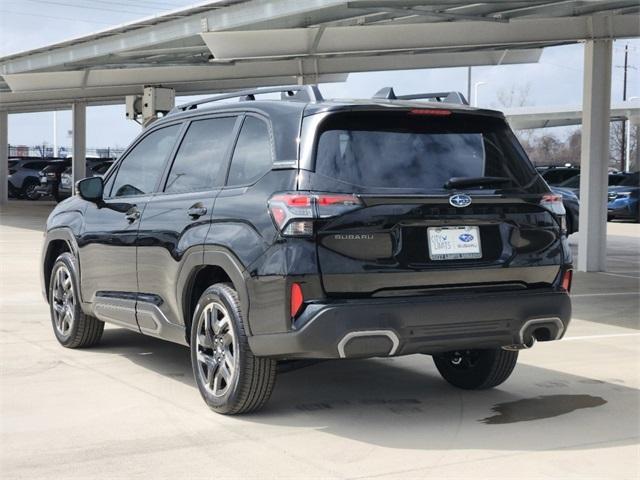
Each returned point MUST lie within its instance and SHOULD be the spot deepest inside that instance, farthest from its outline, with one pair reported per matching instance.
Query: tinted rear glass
(632, 180)
(404, 151)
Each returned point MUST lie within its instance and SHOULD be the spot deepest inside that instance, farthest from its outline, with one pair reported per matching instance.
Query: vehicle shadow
(403, 402)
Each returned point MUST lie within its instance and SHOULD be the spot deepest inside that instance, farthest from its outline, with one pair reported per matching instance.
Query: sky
(556, 80)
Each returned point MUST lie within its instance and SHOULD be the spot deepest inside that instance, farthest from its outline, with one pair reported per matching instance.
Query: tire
(230, 378)
(29, 190)
(476, 369)
(71, 326)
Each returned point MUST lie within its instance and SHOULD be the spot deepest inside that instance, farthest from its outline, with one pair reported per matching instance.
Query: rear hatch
(443, 201)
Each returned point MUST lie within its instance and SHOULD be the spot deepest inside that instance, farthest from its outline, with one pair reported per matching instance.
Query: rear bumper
(406, 325)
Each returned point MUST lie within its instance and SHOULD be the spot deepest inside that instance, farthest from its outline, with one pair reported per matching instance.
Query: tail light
(294, 213)
(567, 277)
(553, 203)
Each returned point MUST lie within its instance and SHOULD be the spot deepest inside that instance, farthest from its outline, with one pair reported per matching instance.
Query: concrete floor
(129, 408)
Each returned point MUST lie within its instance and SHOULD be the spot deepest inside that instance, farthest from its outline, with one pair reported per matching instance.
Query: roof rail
(300, 93)
(387, 93)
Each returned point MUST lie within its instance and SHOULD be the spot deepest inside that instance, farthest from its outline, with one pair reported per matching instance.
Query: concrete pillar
(4, 157)
(79, 120)
(594, 161)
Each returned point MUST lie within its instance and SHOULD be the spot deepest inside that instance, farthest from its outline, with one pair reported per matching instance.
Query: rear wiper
(465, 182)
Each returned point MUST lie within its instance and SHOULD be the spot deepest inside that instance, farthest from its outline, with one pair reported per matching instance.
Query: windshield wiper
(465, 182)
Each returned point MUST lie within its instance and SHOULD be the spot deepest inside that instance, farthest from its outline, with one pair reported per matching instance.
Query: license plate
(454, 243)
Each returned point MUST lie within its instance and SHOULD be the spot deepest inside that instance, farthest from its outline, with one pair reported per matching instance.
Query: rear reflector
(567, 276)
(296, 299)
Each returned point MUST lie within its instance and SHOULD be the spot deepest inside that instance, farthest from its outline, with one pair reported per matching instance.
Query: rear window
(404, 151)
(632, 180)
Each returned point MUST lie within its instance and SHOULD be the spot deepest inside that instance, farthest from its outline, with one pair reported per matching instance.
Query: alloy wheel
(31, 192)
(63, 302)
(216, 349)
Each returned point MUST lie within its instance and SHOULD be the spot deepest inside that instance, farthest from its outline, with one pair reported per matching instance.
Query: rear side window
(140, 170)
(403, 151)
(252, 157)
(35, 165)
(200, 163)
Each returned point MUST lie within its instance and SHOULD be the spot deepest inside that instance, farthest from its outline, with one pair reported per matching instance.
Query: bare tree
(514, 96)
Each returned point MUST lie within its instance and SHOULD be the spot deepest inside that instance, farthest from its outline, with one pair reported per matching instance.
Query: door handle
(197, 210)
(132, 214)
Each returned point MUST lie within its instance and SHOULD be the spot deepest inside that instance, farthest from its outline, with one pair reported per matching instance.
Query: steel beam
(595, 156)
(79, 161)
(4, 157)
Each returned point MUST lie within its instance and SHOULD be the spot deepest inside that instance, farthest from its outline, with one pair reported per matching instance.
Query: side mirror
(91, 189)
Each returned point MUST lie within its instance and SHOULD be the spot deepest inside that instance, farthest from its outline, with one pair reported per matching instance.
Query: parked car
(623, 199)
(555, 176)
(23, 177)
(304, 228)
(66, 179)
(573, 184)
(49, 178)
(571, 204)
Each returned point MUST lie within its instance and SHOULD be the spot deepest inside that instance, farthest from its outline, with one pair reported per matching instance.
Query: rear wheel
(476, 369)
(72, 327)
(230, 378)
(30, 190)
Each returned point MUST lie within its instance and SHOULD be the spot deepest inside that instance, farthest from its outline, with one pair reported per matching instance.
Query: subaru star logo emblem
(460, 200)
(466, 237)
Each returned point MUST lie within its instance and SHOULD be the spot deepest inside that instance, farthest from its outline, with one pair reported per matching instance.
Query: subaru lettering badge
(460, 200)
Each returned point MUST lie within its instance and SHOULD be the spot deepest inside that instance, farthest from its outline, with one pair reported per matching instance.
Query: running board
(141, 315)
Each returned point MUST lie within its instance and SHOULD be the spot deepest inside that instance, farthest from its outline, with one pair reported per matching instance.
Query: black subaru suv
(266, 230)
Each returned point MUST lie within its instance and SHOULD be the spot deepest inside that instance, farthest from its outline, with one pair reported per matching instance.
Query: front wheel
(72, 327)
(230, 378)
(476, 369)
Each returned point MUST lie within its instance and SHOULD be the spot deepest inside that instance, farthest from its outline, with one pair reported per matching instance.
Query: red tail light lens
(293, 213)
(296, 299)
(553, 202)
(567, 277)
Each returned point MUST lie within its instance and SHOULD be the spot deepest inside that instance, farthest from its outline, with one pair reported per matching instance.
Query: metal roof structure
(229, 44)
(523, 118)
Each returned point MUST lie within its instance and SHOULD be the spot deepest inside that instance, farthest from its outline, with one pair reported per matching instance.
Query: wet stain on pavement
(545, 406)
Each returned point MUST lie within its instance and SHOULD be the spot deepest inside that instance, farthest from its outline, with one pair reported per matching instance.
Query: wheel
(476, 369)
(72, 327)
(230, 378)
(29, 190)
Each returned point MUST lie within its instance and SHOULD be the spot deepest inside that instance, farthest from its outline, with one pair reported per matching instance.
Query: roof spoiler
(387, 93)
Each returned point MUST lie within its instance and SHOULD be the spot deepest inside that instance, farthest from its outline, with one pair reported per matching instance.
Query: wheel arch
(57, 242)
(217, 265)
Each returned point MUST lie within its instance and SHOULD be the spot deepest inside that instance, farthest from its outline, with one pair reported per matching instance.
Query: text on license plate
(454, 243)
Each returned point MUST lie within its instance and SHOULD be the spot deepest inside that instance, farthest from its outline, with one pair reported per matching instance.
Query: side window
(35, 165)
(252, 157)
(141, 169)
(200, 163)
